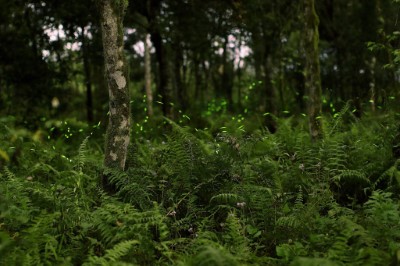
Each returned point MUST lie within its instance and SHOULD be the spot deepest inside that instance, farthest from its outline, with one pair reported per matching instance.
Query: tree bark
(299, 84)
(270, 94)
(312, 69)
(88, 81)
(179, 84)
(226, 84)
(147, 76)
(197, 77)
(258, 48)
(118, 131)
(165, 84)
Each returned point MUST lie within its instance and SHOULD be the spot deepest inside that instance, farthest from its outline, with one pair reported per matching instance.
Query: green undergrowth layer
(201, 197)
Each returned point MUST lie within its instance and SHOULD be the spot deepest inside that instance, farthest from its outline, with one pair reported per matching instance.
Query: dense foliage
(204, 197)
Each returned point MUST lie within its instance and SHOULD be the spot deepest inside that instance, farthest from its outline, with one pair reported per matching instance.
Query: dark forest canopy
(249, 55)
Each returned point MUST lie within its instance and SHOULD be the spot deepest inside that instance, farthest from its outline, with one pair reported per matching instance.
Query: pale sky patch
(139, 48)
(55, 33)
(237, 49)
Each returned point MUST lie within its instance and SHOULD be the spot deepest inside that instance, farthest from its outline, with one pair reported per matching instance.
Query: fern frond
(352, 176)
(120, 250)
(10, 175)
(225, 198)
(82, 154)
(210, 255)
(291, 222)
(338, 120)
(391, 176)
(114, 254)
(299, 202)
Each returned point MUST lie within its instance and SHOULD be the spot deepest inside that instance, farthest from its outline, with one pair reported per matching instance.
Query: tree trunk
(312, 69)
(147, 76)
(258, 48)
(164, 76)
(199, 83)
(299, 85)
(118, 131)
(165, 86)
(239, 81)
(179, 84)
(270, 94)
(226, 77)
(282, 86)
(88, 81)
(205, 81)
(197, 79)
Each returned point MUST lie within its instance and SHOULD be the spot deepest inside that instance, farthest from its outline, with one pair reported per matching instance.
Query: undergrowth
(201, 197)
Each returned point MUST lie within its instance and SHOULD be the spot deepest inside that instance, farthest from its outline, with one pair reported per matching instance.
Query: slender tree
(118, 131)
(163, 55)
(147, 76)
(312, 68)
(88, 81)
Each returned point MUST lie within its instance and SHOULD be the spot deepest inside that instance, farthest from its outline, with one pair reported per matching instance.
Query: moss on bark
(118, 131)
(312, 68)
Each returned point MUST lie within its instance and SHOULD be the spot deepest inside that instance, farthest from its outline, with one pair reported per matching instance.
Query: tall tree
(88, 81)
(163, 53)
(312, 68)
(118, 131)
(147, 76)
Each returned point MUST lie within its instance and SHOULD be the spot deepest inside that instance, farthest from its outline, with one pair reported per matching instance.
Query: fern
(15, 204)
(338, 119)
(213, 257)
(194, 199)
(234, 237)
(225, 198)
(115, 254)
(313, 262)
(10, 175)
(383, 215)
(390, 178)
(295, 221)
(352, 176)
(333, 153)
(359, 238)
(290, 251)
(117, 222)
(82, 154)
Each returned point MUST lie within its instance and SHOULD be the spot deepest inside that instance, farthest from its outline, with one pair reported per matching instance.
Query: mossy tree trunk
(312, 68)
(118, 131)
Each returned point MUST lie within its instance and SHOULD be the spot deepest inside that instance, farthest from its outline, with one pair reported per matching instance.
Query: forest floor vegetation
(217, 196)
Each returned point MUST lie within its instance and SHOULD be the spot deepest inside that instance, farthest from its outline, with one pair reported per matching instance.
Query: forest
(200, 132)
